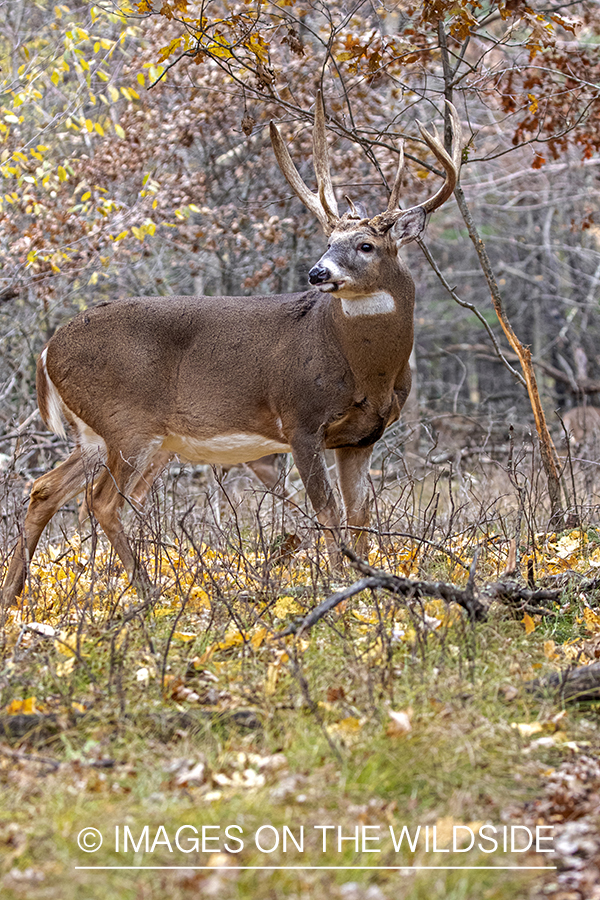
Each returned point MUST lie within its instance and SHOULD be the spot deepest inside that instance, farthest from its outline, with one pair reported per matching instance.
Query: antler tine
(450, 163)
(395, 194)
(321, 161)
(284, 160)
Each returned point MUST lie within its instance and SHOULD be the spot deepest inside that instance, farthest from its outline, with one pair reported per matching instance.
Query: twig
(29, 757)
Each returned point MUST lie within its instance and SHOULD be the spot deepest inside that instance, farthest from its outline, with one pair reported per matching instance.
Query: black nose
(318, 274)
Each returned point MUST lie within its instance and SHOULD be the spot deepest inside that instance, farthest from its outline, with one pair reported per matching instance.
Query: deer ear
(357, 210)
(409, 226)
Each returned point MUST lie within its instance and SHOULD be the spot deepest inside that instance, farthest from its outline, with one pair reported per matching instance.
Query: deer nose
(319, 274)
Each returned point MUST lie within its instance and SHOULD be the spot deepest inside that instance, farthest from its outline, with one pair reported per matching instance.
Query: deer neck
(376, 338)
(377, 304)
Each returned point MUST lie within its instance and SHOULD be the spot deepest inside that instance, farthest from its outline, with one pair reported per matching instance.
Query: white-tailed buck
(229, 379)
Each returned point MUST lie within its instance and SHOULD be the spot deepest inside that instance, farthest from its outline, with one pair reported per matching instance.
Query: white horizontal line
(303, 868)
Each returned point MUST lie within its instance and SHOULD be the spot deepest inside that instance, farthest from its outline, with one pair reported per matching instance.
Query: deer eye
(366, 248)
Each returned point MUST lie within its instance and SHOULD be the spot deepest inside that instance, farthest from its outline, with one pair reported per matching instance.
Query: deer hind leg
(267, 470)
(139, 489)
(105, 500)
(48, 494)
(352, 465)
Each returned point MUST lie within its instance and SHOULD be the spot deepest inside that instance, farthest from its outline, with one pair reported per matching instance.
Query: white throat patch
(370, 305)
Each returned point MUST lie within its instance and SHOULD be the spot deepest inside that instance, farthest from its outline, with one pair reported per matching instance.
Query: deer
(227, 380)
(582, 426)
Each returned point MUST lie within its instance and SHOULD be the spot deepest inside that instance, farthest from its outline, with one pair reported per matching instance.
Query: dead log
(572, 685)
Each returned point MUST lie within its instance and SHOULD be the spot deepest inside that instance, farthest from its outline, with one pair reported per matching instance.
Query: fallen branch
(405, 587)
(521, 598)
(572, 685)
(506, 592)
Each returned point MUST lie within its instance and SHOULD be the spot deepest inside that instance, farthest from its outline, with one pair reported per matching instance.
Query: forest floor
(396, 749)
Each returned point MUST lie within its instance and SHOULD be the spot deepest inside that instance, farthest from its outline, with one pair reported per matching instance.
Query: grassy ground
(202, 738)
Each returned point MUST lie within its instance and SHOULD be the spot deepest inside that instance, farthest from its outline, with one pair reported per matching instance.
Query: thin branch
(474, 310)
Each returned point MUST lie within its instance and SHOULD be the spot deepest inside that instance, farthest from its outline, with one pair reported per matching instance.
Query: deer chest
(362, 425)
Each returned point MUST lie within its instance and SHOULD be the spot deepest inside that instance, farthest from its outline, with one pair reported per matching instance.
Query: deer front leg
(105, 502)
(310, 461)
(352, 465)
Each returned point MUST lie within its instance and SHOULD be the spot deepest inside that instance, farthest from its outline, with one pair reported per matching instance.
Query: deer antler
(322, 204)
(321, 162)
(451, 165)
(395, 195)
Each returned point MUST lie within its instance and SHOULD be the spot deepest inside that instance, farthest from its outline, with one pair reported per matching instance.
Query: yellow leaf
(232, 639)
(258, 637)
(271, 679)
(550, 650)
(114, 94)
(86, 196)
(66, 667)
(99, 129)
(141, 78)
(592, 620)
(55, 77)
(67, 643)
(199, 597)
(259, 47)
(89, 124)
(62, 173)
(528, 623)
(527, 729)
(119, 131)
(347, 728)
(534, 104)
(286, 606)
(25, 707)
(185, 636)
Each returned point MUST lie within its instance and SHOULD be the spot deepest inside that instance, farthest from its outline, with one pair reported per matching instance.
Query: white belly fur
(224, 450)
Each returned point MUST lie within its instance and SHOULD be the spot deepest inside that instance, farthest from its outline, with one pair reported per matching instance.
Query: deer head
(351, 267)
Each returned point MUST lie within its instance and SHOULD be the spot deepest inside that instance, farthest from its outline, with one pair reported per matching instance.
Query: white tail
(230, 379)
